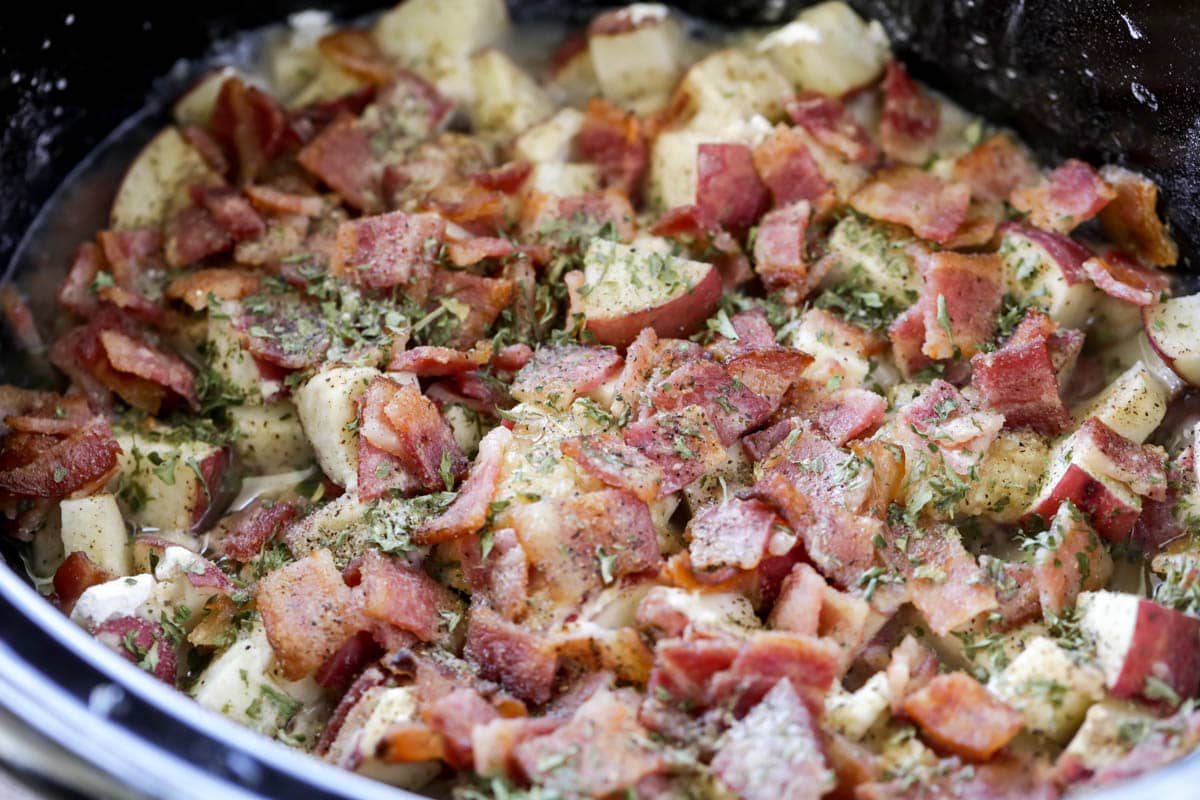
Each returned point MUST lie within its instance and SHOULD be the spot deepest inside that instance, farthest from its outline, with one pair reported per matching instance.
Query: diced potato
(328, 407)
(983, 651)
(293, 60)
(1109, 731)
(852, 714)
(1051, 690)
(717, 485)
(270, 438)
(876, 255)
(623, 290)
(671, 179)
(1172, 327)
(94, 526)
(1133, 405)
(564, 180)
(328, 82)
(534, 466)
(465, 424)
(828, 48)
(1008, 477)
(507, 100)
(1032, 276)
(122, 597)
(552, 140)
(157, 182)
(195, 106)
(417, 35)
(368, 721)
(222, 348)
(160, 478)
(729, 84)
(834, 345)
(638, 68)
(574, 80)
(243, 684)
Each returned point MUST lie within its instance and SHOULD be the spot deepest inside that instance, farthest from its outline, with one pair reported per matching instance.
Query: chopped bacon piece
(607, 457)
(510, 654)
(557, 374)
(468, 512)
(395, 249)
(250, 529)
(144, 643)
(340, 670)
(413, 107)
(231, 210)
(251, 124)
(494, 743)
(477, 249)
(809, 605)
(910, 119)
(774, 752)
(400, 595)
(38, 465)
(506, 178)
(1070, 558)
(616, 142)
(780, 248)
(483, 298)
(946, 584)
(427, 360)
(732, 534)
(1020, 381)
(74, 576)
(1065, 199)
(1122, 277)
(344, 160)
(1131, 218)
(963, 294)
(193, 235)
(995, 168)
(308, 611)
(790, 172)
(512, 357)
(20, 319)
(196, 286)
(956, 712)
(75, 294)
(1157, 525)
(399, 420)
(933, 208)
(808, 663)
(1006, 777)
(850, 413)
(692, 227)
(285, 331)
(129, 355)
(356, 52)
(731, 406)
(455, 717)
(753, 332)
(683, 443)
(1143, 467)
(208, 147)
(52, 414)
(1063, 344)
(130, 252)
(828, 121)
(728, 188)
(600, 751)
(277, 201)
(564, 222)
(134, 304)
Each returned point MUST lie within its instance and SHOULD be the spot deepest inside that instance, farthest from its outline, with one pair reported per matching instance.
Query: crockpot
(1107, 80)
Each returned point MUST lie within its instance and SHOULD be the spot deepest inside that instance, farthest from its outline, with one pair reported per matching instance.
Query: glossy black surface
(1112, 81)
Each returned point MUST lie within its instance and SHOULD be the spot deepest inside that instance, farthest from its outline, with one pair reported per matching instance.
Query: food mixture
(670, 417)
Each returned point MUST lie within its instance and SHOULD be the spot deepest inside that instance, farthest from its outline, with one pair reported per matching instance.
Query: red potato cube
(1173, 328)
(622, 290)
(1145, 649)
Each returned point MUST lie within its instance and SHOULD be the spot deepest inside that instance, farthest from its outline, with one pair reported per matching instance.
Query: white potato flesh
(160, 479)
(552, 140)
(853, 714)
(506, 100)
(638, 68)
(1133, 405)
(1033, 277)
(94, 526)
(1106, 732)
(563, 180)
(222, 347)
(328, 407)
(242, 684)
(195, 106)
(876, 255)
(828, 48)
(1173, 328)
(121, 597)
(156, 184)
(269, 438)
(1051, 690)
(366, 724)
(731, 84)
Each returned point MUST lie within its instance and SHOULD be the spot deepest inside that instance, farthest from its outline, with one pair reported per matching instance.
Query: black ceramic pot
(1110, 80)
